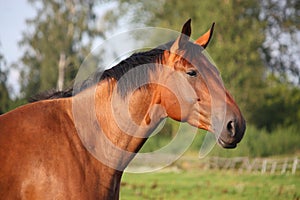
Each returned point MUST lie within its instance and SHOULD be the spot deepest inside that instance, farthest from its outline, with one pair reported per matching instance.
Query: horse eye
(192, 73)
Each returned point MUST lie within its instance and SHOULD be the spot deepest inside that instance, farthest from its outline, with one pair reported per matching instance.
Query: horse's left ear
(204, 39)
(183, 38)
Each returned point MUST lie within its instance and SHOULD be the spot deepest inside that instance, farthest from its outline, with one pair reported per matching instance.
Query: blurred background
(256, 46)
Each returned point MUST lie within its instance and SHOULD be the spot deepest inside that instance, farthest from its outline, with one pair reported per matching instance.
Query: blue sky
(13, 14)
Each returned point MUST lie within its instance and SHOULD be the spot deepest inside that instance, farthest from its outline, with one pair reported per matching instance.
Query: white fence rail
(258, 165)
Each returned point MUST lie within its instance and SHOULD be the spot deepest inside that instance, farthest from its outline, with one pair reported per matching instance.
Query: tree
(281, 106)
(4, 95)
(281, 48)
(61, 36)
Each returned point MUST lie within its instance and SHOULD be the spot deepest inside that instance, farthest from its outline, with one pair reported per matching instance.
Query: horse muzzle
(232, 133)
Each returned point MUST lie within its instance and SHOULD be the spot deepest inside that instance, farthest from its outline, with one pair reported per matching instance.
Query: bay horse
(51, 149)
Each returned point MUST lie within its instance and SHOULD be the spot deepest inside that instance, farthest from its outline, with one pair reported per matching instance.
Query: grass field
(193, 183)
(209, 185)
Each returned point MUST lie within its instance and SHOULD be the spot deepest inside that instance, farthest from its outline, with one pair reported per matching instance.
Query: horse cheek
(171, 105)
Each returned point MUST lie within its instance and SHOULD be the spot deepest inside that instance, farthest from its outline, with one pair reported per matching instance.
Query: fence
(258, 165)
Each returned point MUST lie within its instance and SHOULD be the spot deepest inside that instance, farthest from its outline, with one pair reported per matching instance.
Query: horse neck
(131, 118)
(114, 128)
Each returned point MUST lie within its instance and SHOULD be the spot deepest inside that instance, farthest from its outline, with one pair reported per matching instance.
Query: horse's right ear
(183, 38)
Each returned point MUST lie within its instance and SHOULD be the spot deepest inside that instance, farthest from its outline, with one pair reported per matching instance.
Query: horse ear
(205, 38)
(183, 38)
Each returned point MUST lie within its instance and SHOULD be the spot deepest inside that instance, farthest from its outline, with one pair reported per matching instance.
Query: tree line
(255, 46)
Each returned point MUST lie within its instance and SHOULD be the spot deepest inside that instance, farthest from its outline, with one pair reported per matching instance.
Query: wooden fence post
(294, 168)
(264, 166)
(273, 169)
(284, 166)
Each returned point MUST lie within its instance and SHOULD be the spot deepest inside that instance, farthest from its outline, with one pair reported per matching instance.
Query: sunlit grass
(209, 185)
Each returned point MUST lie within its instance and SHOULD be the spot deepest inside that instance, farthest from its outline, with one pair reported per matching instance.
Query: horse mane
(147, 60)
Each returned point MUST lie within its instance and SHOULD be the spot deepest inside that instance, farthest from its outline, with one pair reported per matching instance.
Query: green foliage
(280, 107)
(208, 185)
(162, 136)
(6, 102)
(259, 143)
(61, 35)
(4, 96)
(256, 142)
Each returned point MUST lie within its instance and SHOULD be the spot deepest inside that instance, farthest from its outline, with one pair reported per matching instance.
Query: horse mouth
(226, 145)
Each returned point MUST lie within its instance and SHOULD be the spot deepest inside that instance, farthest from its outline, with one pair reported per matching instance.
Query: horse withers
(75, 144)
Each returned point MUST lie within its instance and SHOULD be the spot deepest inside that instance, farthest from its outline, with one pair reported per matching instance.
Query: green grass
(209, 185)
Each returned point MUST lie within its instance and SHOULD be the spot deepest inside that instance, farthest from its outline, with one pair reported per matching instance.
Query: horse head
(192, 90)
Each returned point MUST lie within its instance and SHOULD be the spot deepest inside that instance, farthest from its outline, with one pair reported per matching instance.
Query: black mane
(141, 63)
(139, 66)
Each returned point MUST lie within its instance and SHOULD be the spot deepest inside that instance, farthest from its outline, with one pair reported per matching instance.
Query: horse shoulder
(36, 149)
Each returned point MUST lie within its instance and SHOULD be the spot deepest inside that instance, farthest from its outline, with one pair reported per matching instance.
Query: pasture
(209, 184)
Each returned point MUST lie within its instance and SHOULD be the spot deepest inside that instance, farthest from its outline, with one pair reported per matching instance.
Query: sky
(13, 14)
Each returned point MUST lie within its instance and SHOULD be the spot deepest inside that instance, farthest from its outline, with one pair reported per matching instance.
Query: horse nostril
(231, 128)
